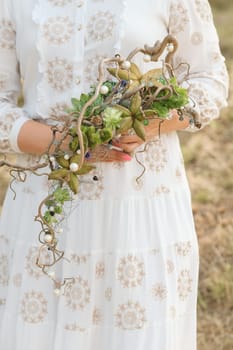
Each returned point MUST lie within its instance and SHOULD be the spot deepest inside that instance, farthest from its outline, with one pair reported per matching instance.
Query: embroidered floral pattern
(74, 327)
(118, 165)
(59, 111)
(130, 271)
(91, 185)
(170, 266)
(4, 261)
(159, 291)
(3, 81)
(60, 3)
(8, 121)
(178, 18)
(208, 108)
(199, 94)
(203, 8)
(215, 56)
(6, 124)
(79, 259)
(33, 307)
(108, 294)
(184, 284)
(3, 241)
(179, 174)
(100, 26)
(196, 38)
(7, 34)
(97, 317)
(91, 69)
(58, 30)
(154, 251)
(155, 156)
(181, 68)
(183, 248)
(209, 114)
(4, 270)
(60, 74)
(162, 189)
(100, 269)
(31, 258)
(130, 316)
(28, 189)
(77, 294)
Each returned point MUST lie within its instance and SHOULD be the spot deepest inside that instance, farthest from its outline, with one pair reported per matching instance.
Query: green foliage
(97, 106)
(61, 195)
(178, 99)
(112, 118)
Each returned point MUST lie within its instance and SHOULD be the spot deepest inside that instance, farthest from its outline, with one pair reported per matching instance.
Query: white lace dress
(130, 246)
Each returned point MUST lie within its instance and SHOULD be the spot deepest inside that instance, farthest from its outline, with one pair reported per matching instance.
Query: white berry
(52, 159)
(126, 65)
(48, 238)
(146, 58)
(74, 167)
(66, 157)
(51, 274)
(104, 90)
(170, 48)
(57, 291)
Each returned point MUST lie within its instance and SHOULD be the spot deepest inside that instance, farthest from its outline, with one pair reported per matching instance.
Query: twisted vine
(126, 102)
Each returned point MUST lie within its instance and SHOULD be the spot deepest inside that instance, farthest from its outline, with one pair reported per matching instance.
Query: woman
(130, 246)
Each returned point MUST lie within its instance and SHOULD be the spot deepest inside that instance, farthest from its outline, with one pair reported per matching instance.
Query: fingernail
(126, 157)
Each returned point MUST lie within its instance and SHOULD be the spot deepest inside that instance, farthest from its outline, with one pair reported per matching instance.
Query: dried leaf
(125, 125)
(139, 129)
(73, 183)
(58, 174)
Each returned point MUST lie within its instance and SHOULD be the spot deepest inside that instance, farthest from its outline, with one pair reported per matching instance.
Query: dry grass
(209, 163)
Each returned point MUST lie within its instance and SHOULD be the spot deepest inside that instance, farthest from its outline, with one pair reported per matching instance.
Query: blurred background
(209, 162)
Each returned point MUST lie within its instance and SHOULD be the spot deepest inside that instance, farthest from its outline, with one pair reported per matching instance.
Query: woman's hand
(128, 143)
(107, 153)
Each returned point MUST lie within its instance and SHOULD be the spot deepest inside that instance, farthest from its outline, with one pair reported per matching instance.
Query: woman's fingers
(127, 139)
(128, 142)
(130, 147)
(106, 154)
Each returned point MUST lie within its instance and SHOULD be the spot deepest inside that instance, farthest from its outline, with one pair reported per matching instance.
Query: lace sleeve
(191, 22)
(11, 116)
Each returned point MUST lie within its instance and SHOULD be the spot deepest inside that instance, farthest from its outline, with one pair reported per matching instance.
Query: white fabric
(131, 245)
(13, 136)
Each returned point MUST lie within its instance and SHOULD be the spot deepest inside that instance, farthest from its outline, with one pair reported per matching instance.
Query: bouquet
(122, 103)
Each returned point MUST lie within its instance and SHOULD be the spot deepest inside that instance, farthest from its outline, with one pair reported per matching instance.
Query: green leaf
(139, 129)
(112, 117)
(61, 195)
(85, 169)
(106, 134)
